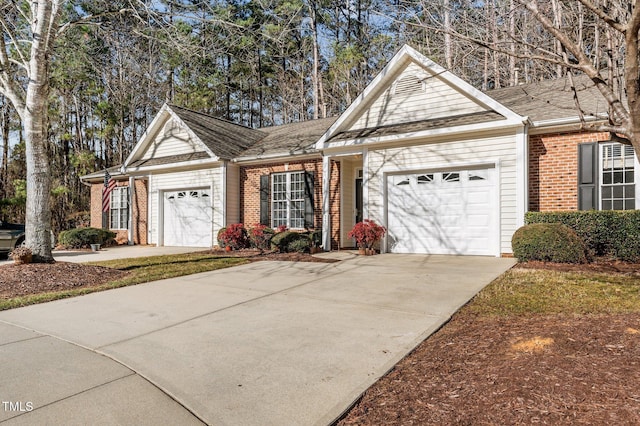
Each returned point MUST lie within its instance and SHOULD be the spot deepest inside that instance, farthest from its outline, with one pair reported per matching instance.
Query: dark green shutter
(264, 200)
(308, 199)
(588, 176)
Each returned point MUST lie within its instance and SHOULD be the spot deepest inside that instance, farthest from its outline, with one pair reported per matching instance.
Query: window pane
(618, 192)
(606, 192)
(629, 191)
(618, 205)
(606, 178)
(607, 205)
(628, 176)
(617, 177)
(630, 204)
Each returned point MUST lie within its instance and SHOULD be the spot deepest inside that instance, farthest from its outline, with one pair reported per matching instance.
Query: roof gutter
(276, 156)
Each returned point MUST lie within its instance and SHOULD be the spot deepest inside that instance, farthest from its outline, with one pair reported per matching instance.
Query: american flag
(109, 184)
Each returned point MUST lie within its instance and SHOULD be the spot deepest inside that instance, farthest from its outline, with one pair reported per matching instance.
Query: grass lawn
(535, 346)
(38, 283)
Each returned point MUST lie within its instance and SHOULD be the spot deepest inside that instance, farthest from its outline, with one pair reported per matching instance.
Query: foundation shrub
(549, 242)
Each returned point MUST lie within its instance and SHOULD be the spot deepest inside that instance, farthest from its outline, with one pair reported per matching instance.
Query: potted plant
(367, 234)
(21, 255)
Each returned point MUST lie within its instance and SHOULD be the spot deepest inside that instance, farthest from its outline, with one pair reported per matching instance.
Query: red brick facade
(553, 169)
(250, 192)
(139, 209)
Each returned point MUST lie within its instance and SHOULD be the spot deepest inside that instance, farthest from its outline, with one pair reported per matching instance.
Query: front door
(358, 200)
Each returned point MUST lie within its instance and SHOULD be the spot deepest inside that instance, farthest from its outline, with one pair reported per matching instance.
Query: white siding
(171, 140)
(433, 99)
(450, 154)
(158, 184)
(233, 194)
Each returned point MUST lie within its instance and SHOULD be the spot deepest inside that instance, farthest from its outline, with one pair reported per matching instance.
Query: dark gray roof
(460, 120)
(170, 160)
(294, 138)
(224, 138)
(552, 99)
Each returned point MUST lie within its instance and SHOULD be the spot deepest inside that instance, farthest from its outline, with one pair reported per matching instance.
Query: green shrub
(260, 236)
(608, 233)
(220, 239)
(84, 237)
(290, 241)
(549, 242)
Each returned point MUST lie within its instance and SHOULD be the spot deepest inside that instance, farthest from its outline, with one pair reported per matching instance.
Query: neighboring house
(446, 168)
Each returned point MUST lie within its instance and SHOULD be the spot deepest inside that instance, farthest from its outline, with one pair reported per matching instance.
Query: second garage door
(448, 212)
(187, 218)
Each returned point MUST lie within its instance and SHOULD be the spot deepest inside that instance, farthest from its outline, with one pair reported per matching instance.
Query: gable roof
(385, 79)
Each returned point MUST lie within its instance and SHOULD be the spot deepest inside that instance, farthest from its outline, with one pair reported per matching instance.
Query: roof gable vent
(408, 85)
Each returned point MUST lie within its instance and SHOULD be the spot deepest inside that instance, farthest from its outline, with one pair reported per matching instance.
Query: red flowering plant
(235, 236)
(367, 233)
(260, 236)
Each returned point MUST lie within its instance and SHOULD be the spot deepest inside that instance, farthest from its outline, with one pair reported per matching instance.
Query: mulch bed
(556, 370)
(34, 278)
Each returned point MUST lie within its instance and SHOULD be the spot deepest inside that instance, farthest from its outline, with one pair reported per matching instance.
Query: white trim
(326, 203)
(521, 175)
(365, 183)
(160, 223)
(402, 138)
(223, 196)
(186, 165)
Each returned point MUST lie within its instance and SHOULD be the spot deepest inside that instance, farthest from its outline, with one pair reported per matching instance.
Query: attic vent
(408, 85)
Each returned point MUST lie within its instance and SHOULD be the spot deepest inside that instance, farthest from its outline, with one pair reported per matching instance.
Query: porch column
(132, 196)
(522, 171)
(326, 203)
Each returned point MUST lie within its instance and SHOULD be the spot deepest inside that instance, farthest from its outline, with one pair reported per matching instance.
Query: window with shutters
(288, 200)
(119, 208)
(617, 180)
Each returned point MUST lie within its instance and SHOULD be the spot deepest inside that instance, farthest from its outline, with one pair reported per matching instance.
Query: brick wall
(250, 192)
(139, 209)
(553, 169)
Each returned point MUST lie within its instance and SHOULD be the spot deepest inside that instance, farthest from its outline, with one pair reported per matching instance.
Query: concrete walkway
(267, 343)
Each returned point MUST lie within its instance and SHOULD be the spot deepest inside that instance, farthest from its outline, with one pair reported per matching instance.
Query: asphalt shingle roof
(225, 139)
(552, 99)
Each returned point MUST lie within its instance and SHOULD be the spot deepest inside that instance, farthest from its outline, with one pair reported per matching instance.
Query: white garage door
(187, 218)
(452, 212)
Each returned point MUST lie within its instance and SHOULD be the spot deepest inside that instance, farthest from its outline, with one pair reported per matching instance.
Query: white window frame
(286, 205)
(119, 202)
(601, 183)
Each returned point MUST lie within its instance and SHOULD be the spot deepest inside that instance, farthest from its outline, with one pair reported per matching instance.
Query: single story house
(448, 169)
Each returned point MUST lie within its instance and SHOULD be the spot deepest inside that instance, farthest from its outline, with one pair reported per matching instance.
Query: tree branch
(602, 14)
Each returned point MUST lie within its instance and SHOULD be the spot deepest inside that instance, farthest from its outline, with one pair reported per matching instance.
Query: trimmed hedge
(610, 233)
(548, 242)
(84, 237)
(290, 241)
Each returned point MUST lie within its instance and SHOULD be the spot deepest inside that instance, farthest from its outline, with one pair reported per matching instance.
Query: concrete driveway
(267, 343)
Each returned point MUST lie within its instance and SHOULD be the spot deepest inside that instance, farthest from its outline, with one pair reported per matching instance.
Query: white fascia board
(276, 157)
(187, 165)
(146, 137)
(426, 134)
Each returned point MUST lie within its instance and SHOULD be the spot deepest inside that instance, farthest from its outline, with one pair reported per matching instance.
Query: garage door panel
(451, 214)
(188, 218)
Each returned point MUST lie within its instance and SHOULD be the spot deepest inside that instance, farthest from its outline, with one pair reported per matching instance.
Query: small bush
(235, 236)
(613, 234)
(290, 241)
(219, 237)
(260, 236)
(84, 237)
(549, 242)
